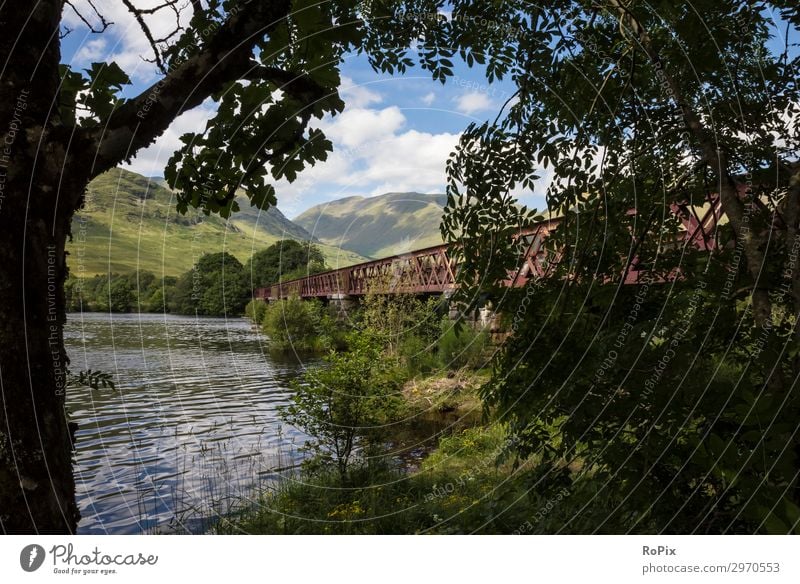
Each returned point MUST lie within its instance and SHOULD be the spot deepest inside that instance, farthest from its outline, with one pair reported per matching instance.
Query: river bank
(461, 483)
(400, 440)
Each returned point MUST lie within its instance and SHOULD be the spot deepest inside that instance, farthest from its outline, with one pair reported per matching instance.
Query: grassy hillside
(377, 226)
(130, 222)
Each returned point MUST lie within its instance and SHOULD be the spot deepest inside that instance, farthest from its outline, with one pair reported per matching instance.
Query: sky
(395, 133)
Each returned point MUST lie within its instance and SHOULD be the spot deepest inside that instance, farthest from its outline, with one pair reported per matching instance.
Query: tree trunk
(37, 199)
(37, 489)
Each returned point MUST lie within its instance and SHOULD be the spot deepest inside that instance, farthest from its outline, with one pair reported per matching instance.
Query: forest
(217, 285)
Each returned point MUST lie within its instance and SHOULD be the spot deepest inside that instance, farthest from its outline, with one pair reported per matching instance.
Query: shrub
(255, 310)
(466, 347)
(344, 405)
(418, 356)
(296, 325)
(394, 318)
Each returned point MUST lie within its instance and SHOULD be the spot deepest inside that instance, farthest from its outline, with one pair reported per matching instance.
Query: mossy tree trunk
(37, 198)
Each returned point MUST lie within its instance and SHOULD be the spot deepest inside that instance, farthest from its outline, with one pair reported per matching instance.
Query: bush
(418, 356)
(255, 310)
(394, 318)
(463, 348)
(299, 326)
(345, 405)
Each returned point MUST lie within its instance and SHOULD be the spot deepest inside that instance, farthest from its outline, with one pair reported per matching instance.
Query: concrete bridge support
(343, 303)
(484, 318)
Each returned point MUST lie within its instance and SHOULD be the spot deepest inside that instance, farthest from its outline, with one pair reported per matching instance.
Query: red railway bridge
(431, 270)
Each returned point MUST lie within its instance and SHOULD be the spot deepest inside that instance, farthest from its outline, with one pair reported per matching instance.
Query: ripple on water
(194, 417)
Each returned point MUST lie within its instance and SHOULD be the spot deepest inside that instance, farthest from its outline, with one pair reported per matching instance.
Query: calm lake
(191, 429)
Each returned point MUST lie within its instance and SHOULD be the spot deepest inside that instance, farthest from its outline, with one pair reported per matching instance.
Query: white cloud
(355, 127)
(93, 51)
(358, 96)
(409, 161)
(372, 155)
(374, 149)
(128, 45)
(473, 102)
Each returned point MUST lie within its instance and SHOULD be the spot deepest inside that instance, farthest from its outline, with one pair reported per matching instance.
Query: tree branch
(97, 29)
(138, 14)
(226, 57)
(714, 157)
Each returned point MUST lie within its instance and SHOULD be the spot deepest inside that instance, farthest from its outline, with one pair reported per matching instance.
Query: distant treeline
(217, 285)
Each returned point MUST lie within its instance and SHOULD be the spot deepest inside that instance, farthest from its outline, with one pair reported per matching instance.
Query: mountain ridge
(379, 226)
(129, 222)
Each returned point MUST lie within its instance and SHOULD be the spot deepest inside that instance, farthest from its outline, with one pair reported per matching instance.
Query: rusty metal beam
(430, 270)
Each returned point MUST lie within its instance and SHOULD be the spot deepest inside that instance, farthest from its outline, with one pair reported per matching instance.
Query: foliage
(345, 405)
(138, 291)
(300, 326)
(677, 394)
(684, 439)
(418, 356)
(255, 310)
(416, 331)
(460, 489)
(626, 105)
(120, 295)
(463, 347)
(92, 379)
(392, 318)
(215, 286)
(269, 129)
(284, 260)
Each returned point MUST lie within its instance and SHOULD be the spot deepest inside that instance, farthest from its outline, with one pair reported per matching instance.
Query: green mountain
(129, 222)
(377, 227)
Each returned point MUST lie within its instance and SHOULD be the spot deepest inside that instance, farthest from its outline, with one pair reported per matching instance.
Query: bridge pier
(453, 312)
(485, 317)
(342, 302)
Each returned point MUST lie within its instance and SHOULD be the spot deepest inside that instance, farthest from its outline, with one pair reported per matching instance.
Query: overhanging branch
(226, 57)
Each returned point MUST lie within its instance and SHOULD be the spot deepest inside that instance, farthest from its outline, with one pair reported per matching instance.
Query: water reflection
(192, 427)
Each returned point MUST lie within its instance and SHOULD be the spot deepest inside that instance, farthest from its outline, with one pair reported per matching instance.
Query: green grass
(130, 223)
(460, 488)
(466, 484)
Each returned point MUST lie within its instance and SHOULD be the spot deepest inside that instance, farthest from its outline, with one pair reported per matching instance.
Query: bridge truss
(432, 270)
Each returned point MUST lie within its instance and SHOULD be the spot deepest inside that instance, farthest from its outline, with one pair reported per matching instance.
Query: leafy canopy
(675, 395)
(270, 69)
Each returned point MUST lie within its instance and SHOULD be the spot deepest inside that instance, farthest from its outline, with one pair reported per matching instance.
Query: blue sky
(394, 136)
